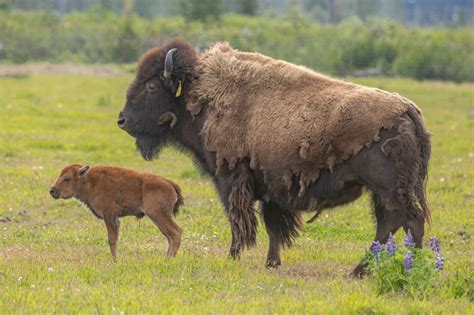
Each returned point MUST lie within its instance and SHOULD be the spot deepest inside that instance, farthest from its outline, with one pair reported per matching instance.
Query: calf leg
(113, 227)
(388, 221)
(282, 227)
(164, 221)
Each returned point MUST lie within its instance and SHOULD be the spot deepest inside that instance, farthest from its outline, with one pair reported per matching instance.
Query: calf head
(151, 111)
(66, 185)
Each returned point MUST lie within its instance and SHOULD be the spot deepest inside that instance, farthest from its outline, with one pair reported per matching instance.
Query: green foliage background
(54, 255)
(383, 46)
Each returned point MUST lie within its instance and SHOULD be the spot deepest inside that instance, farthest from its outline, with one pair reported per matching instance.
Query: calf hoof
(359, 271)
(272, 263)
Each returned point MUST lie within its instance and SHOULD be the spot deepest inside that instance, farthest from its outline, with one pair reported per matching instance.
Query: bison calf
(114, 192)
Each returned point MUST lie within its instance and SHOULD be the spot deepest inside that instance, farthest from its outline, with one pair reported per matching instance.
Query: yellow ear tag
(178, 90)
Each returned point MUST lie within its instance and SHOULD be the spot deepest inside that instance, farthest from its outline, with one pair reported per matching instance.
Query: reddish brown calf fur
(113, 192)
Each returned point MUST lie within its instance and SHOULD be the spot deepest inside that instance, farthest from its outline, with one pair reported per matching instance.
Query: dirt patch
(22, 70)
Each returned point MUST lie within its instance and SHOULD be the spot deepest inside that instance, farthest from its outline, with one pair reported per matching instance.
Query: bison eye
(66, 179)
(151, 86)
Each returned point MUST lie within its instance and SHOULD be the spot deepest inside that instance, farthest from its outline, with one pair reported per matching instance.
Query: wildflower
(439, 261)
(434, 244)
(408, 261)
(409, 242)
(391, 246)
(376, 248)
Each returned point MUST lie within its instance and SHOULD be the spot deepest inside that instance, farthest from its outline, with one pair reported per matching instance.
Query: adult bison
(295, 140)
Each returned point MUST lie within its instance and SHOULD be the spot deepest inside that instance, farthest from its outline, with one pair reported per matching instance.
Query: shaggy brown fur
(295, 140)
(325, 120)
(113, 192)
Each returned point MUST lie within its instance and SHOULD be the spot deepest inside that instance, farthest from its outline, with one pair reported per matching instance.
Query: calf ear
(84, 170)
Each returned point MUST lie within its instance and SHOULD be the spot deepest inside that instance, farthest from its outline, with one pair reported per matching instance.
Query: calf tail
(179, 200)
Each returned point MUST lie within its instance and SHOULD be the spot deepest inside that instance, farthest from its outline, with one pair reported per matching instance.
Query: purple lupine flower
(409, 242)
(408, 261)
(434, 244)
(391, 246)
(439, 261)
(376, 248)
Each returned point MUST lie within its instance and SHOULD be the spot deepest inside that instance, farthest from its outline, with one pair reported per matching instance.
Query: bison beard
(149, 146)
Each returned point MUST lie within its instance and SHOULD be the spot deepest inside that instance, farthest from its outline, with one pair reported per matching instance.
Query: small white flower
(32, 285)
(19, 278)
(441, 180)
(50, 269)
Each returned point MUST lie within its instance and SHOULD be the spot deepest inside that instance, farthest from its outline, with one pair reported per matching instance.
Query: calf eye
(66, 179)
(151, 86)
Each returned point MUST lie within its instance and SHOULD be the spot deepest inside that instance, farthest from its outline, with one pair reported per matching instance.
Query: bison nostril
(121, 122)
(53, 192)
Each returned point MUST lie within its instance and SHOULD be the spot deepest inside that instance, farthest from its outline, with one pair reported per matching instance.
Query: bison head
(66, 185)
(154, 98)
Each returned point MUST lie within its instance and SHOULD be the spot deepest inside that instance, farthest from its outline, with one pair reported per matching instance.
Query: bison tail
(179, 200)
(423, 137)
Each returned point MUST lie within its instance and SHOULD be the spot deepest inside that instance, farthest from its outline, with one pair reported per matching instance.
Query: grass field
(54, 255)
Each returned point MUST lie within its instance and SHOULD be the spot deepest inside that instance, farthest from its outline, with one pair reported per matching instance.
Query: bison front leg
(282, 227)
(237, 195)
(243, 222)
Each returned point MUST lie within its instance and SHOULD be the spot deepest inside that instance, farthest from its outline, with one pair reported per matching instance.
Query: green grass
(54, 255)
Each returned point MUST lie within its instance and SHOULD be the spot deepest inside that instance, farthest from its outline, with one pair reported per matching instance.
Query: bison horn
(169, 63)
(168, 117)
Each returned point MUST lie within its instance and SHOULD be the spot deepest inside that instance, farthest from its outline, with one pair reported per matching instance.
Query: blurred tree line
(407, 12)
(381, 47)
(346, 39)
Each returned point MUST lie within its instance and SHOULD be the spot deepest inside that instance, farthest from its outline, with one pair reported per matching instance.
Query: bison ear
(83, 170)
(173, 84)
(168, 118)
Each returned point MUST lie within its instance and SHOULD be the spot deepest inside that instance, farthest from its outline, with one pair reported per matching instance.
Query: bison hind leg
(388, 222)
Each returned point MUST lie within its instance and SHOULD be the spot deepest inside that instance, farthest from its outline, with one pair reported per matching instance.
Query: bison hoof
(235, 255)
(272, 263)
(359, 271)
